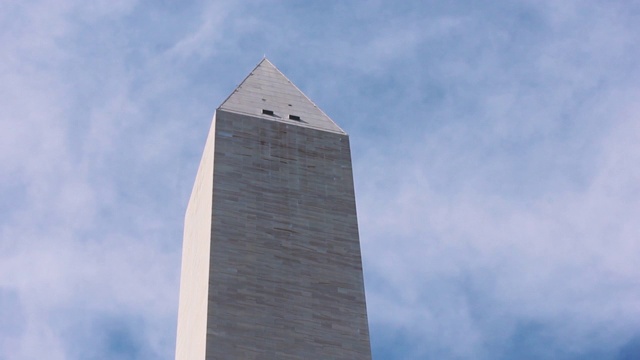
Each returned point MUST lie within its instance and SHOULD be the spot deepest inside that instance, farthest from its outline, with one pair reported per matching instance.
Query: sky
(494, 144)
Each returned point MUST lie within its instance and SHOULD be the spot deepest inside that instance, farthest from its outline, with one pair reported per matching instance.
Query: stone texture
(284, 274)
(194, 277)
(266, 88)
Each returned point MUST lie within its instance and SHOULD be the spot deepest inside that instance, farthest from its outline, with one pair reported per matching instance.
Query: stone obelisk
(271, 265)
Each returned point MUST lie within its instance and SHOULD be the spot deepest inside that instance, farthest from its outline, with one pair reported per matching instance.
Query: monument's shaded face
(271, 259)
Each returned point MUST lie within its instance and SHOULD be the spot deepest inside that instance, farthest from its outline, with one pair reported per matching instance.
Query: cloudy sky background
(495, 150)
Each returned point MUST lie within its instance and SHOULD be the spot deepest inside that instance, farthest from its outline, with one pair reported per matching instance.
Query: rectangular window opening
(268, 112)
(295, 117)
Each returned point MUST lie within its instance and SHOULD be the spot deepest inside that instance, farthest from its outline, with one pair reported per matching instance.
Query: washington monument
(271, 265)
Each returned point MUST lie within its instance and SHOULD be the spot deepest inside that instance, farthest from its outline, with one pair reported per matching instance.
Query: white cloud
(494, 150)
(555, 245)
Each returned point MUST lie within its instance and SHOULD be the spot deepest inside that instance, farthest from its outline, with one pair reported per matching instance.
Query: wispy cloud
(515, 218)
(494, 153)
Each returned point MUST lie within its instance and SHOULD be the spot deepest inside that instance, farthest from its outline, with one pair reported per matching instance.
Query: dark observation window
(268, 112)
(294, 117)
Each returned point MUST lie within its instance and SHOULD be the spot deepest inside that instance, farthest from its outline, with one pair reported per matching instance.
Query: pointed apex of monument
(268, 94)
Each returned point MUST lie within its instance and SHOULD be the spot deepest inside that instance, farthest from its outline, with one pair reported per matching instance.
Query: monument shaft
(271, 253)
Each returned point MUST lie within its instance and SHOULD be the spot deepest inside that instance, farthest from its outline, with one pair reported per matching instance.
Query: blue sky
(495, 151)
